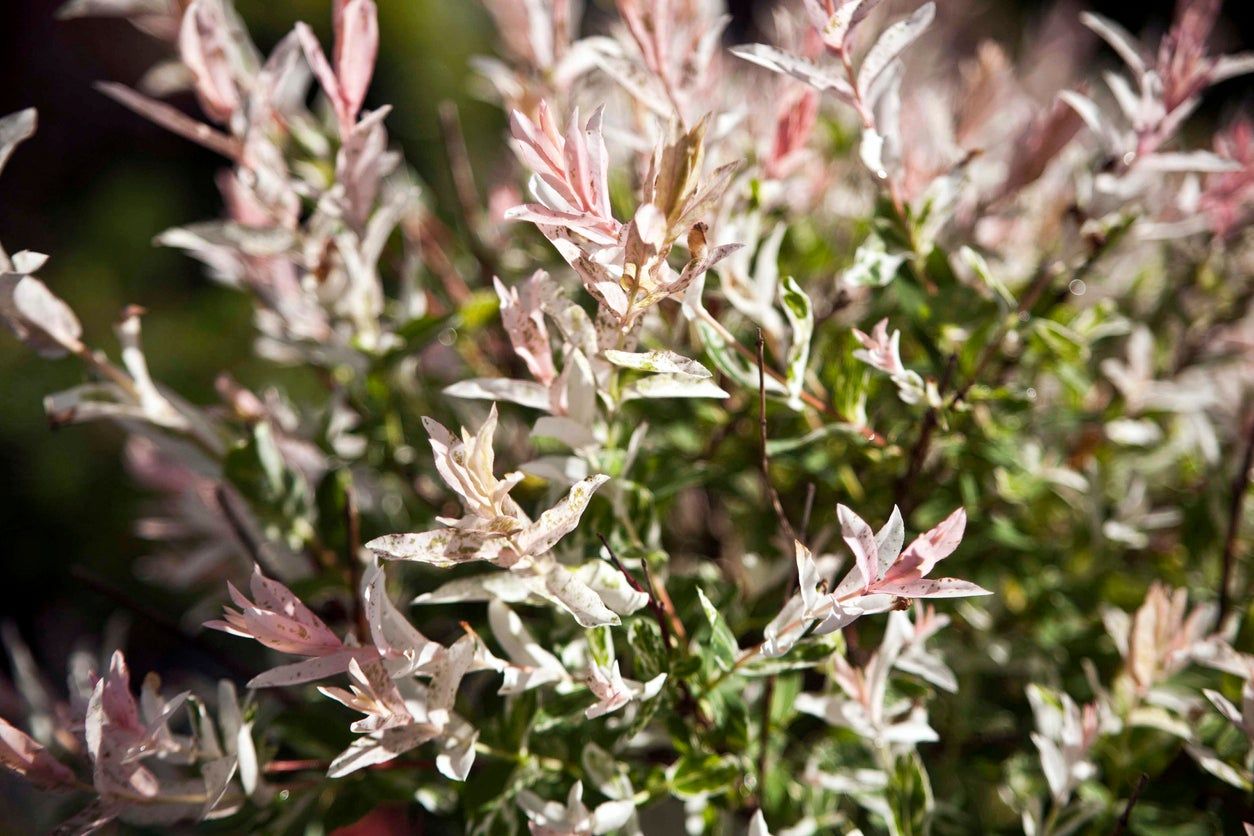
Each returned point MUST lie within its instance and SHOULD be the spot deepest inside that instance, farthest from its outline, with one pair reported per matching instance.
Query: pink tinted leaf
(310, 670)
(929, 548)
(203, 44)
(1119, 39)
(1231, 66)
(22, 754)
(356, 48)
(819, 77)
(393, 635)
(888, 540)
(808, 577)
(172, 120)
(379, 748)
(322, 71)
(116, 699)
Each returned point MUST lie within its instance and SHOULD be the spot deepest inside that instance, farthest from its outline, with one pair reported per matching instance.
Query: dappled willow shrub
(717, 299)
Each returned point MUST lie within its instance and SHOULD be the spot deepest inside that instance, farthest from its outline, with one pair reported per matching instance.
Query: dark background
(94, 187)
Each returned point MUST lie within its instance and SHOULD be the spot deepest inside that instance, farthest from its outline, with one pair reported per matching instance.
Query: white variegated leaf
(1119, 39)
(657, 361)
(802, 69)
(38, 317)
(563, 587)
(1199, 161)
(522, 392)
(15, 129)
(673, 386)
(893, 42)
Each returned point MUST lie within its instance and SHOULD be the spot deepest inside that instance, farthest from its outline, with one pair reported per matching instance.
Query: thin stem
(810, 399)
(318, 765)
(464, 185)
(237, 524)
(1240, 486)
(764, 735)
(352, 556)
(811, 490)
(765, 460)
(867, 116)
(656, 608)
(106, 370)
(664, 599)
(1122, 824)
(918, 453)
(126, 601)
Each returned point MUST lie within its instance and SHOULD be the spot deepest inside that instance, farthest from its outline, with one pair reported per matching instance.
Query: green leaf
(729, 712)
(732, 364)
(981, 269)
(872, 265)
(695, 775)
(332, 498)
(779, 446)
(722, 644)
(651, 656)
(478, 310)
(800, 315)
(910, 796)
(277, 495)
(601, 645)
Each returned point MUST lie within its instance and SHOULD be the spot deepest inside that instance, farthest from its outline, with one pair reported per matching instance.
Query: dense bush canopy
(846, 433)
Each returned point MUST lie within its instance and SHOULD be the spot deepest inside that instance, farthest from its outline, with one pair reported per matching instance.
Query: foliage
(745, 291)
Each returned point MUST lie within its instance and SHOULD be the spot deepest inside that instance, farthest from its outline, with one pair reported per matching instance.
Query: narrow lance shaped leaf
(802, 69)
(723, 645)
(15, 129)
(800, 315)
(673, 386)
(38, 317)
(1118, 38)
(861, 541)
(560, 520)
(356, 47)
(892, 43)
(657, 361)
(563, 588)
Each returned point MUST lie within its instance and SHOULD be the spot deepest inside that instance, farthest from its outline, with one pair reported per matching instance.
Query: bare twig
(172, 120)
(315, 765)
(811, 489)
(237, 524)
(662, 614)
(659, 612)
(1240, 485)
(464, 186)
(352, 556)
(239, 527)
(765, 461)
(1122, 824)
(810, 398)
(122, 598)
(918, 453)
(431, 235)
(664, 599)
